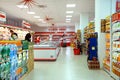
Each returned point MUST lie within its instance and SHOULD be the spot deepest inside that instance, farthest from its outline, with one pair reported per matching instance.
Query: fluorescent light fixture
(31, 12)
(40, 19)
(69, 12)
(68, 19)
(21, 6)
(70, 5)
(69, 16)
(44, 22)
(36, 16)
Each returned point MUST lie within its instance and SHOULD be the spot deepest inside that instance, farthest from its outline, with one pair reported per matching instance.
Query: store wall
(76, 27)
(103, 8)
(45, 29)
(84, 20)
(14, 22)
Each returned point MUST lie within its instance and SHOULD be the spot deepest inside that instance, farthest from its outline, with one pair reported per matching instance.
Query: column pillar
(84, 20)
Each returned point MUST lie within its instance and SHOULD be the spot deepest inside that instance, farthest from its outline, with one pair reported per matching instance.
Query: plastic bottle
(1, 47)
(11, 51)
(2, 70)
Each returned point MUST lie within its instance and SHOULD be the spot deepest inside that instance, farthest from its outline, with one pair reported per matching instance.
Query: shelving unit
(105, 28)
(79, 35)
(115, 44)
(89, 29)
(87, 32)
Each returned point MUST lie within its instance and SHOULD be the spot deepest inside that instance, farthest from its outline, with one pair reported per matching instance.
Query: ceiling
(55, 9)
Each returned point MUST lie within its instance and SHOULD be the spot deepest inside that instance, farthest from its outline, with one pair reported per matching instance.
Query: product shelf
(115, 31)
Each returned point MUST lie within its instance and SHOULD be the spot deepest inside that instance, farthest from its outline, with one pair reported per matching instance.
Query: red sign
(117, 5)
(26, 24)
(2, 16)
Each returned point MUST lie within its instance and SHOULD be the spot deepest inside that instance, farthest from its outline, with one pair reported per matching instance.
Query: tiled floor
(67, 67)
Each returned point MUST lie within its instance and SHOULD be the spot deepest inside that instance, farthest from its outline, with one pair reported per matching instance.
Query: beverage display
(13, 62)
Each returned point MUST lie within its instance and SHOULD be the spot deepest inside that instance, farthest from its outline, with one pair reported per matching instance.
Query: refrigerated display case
(47, 50)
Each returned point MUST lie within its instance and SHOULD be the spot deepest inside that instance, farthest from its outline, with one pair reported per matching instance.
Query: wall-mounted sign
(2, 16)
(25, 24)
(118, 6)
(59, 29)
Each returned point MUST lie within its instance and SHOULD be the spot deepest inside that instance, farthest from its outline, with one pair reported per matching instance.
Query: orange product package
(18, 42)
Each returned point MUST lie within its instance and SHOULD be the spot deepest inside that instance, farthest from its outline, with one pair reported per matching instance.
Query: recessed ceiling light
(36, 16)
(68, 19)
(69, 11)
(70, 5)
(69, 16)
(21, 6)
(31, 12)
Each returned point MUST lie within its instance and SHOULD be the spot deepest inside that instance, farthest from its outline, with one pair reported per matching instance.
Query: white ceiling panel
(55, 9)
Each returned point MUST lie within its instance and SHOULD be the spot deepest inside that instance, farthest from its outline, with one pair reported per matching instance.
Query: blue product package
(12, 66)
(2, 70)
(12, 75)
(15, 50)
(1, 47)
(11, 51)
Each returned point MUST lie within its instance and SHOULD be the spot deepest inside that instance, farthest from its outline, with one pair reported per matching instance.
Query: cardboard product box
(116, 71)
(93, 64)
(103, 22)
(103, 28)
(78, 31)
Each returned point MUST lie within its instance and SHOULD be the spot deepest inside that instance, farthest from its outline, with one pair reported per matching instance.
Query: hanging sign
(25, 24)
(2, 16)
(118, 6)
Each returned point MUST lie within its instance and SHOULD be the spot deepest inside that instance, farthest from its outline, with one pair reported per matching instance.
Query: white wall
(84, 20)
(76, 27)
(103, 8)
(45, 29)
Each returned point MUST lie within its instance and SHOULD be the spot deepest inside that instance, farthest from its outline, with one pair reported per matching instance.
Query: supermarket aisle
(67, 67)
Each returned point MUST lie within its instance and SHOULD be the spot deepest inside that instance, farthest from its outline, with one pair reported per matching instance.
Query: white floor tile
(67, 67)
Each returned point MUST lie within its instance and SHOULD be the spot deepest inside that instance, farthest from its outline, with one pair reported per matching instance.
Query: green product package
(5, 52)
(25, 44)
